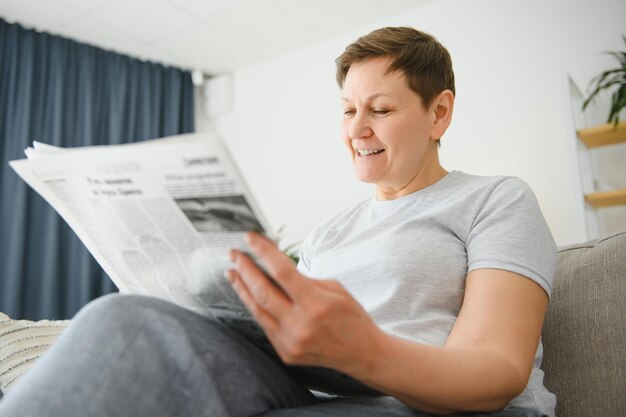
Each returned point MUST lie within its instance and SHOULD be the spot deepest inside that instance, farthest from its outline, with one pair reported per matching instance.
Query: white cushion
(21, 343)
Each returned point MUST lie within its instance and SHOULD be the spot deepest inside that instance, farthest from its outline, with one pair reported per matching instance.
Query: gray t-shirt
(406, 260)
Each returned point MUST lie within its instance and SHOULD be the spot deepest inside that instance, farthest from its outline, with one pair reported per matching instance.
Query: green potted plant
(609, 79)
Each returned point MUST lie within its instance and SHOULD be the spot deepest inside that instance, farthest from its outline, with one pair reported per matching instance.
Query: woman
(438, 292)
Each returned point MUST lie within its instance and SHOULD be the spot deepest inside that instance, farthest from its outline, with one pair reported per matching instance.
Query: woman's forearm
(436, 379)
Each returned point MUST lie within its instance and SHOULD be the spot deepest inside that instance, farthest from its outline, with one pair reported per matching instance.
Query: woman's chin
(365, 177)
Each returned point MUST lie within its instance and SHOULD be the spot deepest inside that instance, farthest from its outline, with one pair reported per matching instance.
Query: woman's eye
(348, 112)
(380, 112)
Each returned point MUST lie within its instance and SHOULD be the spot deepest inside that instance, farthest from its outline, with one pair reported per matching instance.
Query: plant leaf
(608, 79)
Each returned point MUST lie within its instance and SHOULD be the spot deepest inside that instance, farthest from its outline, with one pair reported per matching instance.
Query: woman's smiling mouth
(366, 152)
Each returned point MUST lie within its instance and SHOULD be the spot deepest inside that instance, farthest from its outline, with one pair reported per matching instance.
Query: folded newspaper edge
(159, 216)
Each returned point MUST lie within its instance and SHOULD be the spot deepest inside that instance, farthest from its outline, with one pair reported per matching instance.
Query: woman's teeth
(364, 152)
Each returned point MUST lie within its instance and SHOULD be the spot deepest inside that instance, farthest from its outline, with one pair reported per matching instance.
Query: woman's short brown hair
(423, 60)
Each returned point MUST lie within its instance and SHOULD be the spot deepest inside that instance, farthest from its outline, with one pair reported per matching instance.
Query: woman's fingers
(256, 309)
(258, 286)
(278, 265)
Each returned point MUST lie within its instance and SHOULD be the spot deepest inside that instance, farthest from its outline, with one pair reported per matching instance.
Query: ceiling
(215, 36)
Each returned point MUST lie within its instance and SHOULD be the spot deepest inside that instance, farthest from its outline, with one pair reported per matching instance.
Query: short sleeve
(509, 232)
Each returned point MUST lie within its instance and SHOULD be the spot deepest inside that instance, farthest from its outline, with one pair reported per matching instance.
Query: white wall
(512, 115)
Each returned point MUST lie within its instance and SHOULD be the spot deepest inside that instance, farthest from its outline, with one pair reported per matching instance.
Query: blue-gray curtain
(66, 93)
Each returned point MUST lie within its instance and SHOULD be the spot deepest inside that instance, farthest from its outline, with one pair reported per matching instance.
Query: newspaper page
(159, 216)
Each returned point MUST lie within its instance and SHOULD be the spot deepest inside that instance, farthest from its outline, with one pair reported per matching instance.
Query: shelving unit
(604, 135)
(606, 198)
(602, 200)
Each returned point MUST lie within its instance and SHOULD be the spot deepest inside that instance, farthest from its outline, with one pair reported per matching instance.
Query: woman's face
(387, 130)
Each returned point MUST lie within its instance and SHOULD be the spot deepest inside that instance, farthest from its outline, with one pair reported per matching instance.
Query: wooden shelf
(607, 198)
(603, 135)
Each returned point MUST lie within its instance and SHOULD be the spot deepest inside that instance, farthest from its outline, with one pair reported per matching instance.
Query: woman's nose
(359, 127)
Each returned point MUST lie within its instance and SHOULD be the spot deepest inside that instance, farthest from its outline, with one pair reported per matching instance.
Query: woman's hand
(309, 322)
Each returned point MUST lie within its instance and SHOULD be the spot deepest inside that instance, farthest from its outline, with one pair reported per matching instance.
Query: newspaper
(159, 216)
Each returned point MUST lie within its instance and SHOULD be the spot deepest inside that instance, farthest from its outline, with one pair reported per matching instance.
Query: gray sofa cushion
(584, 333)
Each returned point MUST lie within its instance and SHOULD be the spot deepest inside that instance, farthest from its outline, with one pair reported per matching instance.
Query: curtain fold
(66, 93)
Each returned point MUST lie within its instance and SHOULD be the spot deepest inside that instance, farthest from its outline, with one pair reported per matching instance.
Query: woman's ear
(442, 106)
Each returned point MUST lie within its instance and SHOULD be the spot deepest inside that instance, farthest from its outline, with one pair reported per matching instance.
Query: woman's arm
(485, 363)
(488, 356)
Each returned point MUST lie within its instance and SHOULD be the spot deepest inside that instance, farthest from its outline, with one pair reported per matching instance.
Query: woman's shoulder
(460, 178)
(485, 187)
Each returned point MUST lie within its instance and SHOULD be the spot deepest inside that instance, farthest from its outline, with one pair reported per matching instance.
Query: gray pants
(143, 357)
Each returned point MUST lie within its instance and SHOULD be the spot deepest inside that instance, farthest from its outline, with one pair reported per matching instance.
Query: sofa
(584, 335)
